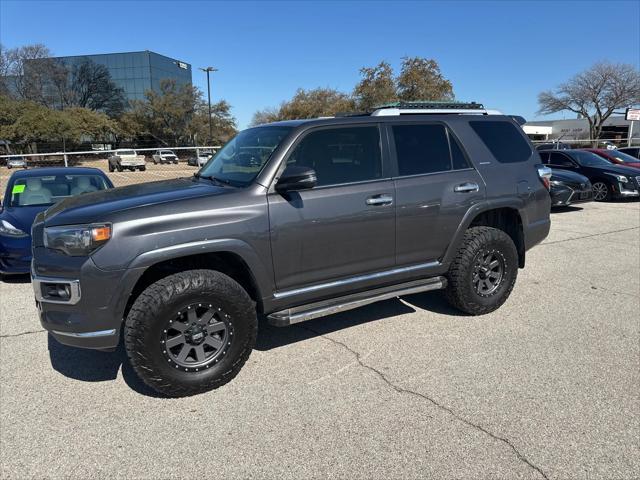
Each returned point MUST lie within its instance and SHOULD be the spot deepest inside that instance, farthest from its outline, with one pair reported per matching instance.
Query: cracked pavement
(546, 387)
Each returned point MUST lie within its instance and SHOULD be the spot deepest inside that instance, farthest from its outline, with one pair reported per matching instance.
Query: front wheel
(119, 168)
(601, 192)
(142, 169)
(484, 271)
(190, 332)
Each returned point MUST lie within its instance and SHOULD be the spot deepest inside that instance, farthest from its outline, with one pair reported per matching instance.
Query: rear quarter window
(504, 140)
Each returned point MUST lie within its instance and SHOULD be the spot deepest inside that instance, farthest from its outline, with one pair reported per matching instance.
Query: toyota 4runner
(292, 220)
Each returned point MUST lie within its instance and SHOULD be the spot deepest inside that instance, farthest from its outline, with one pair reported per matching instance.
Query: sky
(500, 53)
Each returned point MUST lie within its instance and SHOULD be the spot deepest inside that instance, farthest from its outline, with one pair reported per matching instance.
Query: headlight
(77, 240)
(621, 178)
(9, 230)
(556, 183)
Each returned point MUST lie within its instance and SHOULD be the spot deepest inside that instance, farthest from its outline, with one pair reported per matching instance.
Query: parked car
(200, 160)
(30, 192)
(608, 181)
(633, 151)
(616, 156)
(164, 156)
(17, 161)
(568, 188)
(124, 158)
(292, 220)
(553, 146)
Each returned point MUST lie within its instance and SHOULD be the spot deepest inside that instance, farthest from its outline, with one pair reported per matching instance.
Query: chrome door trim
(356, 279)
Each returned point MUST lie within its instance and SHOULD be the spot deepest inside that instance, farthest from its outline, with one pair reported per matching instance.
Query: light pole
(209, 70)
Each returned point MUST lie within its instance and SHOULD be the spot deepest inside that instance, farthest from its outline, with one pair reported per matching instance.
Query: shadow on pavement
(270, 337)
(568, 209)
(21, 278)
(95, 366)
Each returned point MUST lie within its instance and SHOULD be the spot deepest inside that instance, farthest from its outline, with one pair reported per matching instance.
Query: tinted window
(504, 140)
(341, 155)
(544, 156)
(457, 157)
(560, 160)
(421, 149)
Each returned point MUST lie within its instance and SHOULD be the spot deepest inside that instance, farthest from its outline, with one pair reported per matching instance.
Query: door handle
(466, 187)
(383, 199)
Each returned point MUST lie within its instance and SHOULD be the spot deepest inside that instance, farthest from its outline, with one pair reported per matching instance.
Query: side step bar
(348, 302)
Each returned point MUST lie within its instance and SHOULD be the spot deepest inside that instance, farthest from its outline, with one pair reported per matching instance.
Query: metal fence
(99, 159)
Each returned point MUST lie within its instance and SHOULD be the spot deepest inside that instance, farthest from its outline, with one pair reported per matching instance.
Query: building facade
(615, 128)
(136, 72)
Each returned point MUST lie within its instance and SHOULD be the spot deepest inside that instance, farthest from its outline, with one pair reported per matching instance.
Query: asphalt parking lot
(546, 387)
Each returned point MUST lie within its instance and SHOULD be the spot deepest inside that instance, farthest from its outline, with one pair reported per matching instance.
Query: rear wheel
(190, 332)
(484, 271)
(601, 191)
(119, 168)
(111, 168)
(142, 169)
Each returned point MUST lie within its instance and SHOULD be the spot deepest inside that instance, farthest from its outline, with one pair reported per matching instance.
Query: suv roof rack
(429, 107)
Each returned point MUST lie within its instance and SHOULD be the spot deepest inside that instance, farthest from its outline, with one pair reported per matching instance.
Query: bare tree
(594, 94)
(90, 86)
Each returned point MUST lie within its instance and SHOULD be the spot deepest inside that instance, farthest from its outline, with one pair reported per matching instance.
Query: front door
(343, 227)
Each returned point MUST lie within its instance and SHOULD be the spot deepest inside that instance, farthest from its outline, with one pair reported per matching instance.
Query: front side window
(560, 160)
(341, 155)
(240, 160)
(504, 140)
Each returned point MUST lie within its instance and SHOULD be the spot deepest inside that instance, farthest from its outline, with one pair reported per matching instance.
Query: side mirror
(295, 178)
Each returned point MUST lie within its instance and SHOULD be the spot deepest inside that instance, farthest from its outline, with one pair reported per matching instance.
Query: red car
(614, 156)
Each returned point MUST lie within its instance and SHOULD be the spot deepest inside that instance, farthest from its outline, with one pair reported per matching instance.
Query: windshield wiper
(220, 181)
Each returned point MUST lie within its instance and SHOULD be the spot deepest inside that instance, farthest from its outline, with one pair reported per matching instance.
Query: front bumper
(15, 255)
(92, 315)
(565, 195)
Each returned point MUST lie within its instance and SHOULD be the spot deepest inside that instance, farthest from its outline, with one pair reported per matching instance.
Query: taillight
(544, 173)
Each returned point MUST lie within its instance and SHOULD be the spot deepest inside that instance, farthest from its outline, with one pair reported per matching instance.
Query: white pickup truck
(164, 156)
(125, 158)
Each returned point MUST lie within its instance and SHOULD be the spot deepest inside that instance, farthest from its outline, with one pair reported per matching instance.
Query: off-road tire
(461, 292)
(148, 317)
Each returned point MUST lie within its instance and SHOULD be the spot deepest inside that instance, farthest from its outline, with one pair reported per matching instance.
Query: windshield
(589, 159)
(240, 160)
(125, 152)
(47, 190)
(166, 152)
(623, 157)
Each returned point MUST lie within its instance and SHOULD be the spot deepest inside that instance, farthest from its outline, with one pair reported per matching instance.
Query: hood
(101, 205)
(567, 176)
(21, 217)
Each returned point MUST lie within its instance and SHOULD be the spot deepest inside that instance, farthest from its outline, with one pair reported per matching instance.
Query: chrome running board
(348, 302)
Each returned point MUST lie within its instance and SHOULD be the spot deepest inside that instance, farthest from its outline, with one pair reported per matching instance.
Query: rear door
(343, 227)
(435, 186)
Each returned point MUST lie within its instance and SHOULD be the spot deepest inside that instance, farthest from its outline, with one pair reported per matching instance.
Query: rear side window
(427, 148)
(504, 140)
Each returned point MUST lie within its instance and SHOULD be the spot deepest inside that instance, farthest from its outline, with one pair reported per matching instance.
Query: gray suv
(293, 221)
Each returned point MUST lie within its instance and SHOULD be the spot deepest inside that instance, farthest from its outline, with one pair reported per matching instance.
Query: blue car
(30, 192)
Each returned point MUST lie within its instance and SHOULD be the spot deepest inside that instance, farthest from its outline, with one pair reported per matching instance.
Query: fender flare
(257, 268)
(512, 202)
